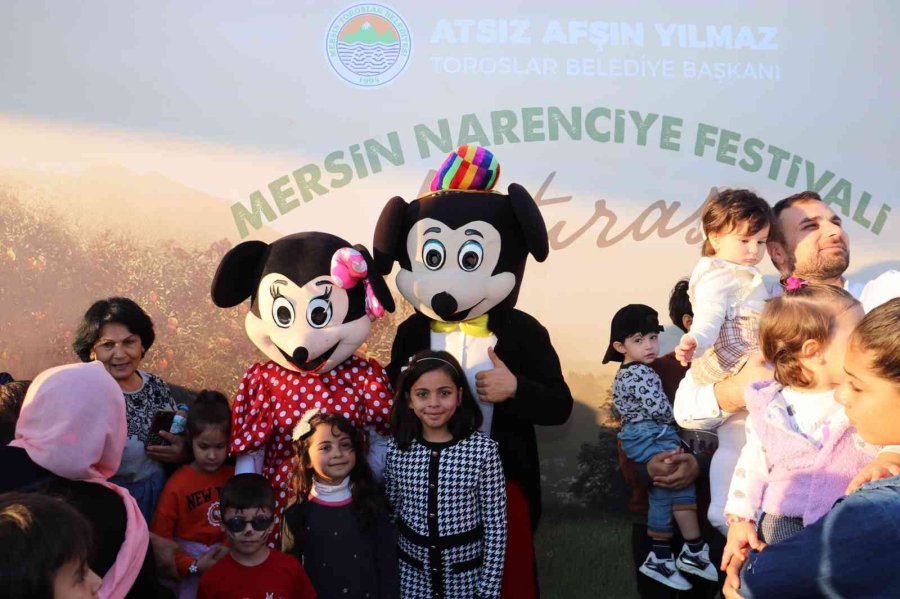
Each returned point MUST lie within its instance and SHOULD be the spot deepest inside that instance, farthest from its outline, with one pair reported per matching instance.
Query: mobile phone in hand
(162, 421)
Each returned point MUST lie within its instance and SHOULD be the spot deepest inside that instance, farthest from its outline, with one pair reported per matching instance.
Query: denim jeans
(640, 442)
(146, 492)
(854, 551)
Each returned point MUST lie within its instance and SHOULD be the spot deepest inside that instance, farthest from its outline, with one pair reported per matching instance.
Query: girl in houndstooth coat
(445, 484)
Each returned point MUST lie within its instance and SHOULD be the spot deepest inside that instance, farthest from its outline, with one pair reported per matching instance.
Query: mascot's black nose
(443, 304)
(300, 355)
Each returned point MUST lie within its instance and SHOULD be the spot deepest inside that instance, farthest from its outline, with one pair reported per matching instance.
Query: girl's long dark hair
(405, 426)
(367, 499)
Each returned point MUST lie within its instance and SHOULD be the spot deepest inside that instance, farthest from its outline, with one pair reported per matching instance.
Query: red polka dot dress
(271, 400)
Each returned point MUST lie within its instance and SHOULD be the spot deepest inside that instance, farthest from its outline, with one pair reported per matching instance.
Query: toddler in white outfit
(727, 294)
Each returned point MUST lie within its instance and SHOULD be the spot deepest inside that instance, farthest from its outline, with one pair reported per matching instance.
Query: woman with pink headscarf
(69, 440)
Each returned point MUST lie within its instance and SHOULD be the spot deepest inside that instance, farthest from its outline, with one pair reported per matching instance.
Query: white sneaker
(664, 571)
(697, 564)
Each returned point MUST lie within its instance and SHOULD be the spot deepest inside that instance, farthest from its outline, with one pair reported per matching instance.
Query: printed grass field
(584, 553)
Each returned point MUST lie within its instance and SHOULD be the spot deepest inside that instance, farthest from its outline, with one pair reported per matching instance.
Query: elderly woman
(118, 333)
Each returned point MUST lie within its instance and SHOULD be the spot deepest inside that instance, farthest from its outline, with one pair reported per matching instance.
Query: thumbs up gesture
(497, 384)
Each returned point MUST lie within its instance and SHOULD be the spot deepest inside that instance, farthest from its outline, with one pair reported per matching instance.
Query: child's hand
(685, 350)
(880, 467)
(741, 539)
(731, 588)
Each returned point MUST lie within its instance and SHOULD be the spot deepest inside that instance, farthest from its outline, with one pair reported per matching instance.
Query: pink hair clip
(794, 283)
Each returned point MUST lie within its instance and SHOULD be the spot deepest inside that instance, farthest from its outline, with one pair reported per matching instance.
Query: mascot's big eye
(433, 254)
(470, 255)
(318, 312)
(283, 312)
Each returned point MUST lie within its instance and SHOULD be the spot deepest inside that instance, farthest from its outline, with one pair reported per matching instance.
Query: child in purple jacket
(801, 449)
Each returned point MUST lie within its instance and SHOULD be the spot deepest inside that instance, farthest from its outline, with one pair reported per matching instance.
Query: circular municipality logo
(368, 45)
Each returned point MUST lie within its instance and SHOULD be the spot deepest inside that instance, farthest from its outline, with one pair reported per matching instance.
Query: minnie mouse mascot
(462, 250)
(312, 300)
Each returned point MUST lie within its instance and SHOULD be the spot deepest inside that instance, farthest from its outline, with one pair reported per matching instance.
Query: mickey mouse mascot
(462, 250)
(312, 300)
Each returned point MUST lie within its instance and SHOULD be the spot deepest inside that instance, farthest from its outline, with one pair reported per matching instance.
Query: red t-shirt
(189, 509)
(279, 577)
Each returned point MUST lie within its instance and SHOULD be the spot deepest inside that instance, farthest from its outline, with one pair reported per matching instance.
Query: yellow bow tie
(476, 327)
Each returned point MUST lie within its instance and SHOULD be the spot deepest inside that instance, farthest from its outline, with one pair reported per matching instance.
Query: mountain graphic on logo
(367, 33)
(368, 45)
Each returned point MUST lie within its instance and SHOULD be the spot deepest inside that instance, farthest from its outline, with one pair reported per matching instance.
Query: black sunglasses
(237, 524)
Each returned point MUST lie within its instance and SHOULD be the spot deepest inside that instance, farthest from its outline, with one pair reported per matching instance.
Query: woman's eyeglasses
(259, 523)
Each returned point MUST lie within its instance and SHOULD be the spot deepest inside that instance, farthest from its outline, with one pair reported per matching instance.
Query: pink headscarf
(73, 424)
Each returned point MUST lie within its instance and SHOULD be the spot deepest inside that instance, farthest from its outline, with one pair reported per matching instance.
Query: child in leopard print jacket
(648, 428)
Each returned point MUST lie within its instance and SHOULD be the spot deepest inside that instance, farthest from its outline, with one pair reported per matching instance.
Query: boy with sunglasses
(252, 570)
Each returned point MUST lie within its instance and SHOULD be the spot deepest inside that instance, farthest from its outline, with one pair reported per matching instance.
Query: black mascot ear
(238, 274)
(531, 221)
(376, 280)
(389, 238)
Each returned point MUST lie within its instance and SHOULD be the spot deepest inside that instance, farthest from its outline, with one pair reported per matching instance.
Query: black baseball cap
(630, 320)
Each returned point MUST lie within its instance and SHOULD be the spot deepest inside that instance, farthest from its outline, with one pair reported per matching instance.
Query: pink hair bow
(348, 266)
(794, 283)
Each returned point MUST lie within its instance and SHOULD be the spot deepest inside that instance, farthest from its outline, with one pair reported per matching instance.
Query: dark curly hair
(367, 500)
(120, 310)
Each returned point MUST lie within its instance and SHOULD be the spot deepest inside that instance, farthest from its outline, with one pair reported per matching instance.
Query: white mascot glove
(251, 462)
(378, 448)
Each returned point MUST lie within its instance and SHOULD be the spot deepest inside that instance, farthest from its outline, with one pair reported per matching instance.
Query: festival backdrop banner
(140, 141)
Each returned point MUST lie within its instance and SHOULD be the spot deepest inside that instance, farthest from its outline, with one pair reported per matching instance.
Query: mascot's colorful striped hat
(470, 168)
